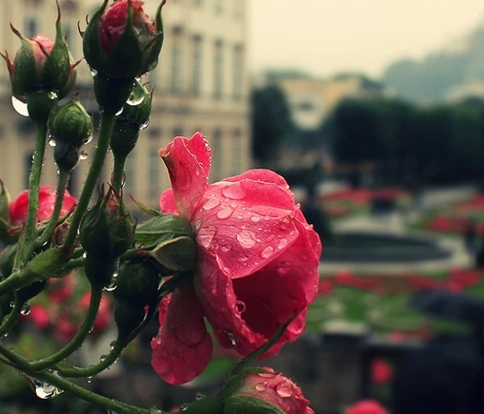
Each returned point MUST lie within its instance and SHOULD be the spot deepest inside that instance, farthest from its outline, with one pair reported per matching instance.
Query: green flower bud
(133, 118)
(41, 64)
(107, 230)
(121, 42)
(70, 123)
(4, 215)
(127, 318)
(137, 283)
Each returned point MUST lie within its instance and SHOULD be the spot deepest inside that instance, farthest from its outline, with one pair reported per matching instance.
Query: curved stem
(76, 342)
(11, 318)
(28, 235)
(107, 121)
(59, 198)
(90, 371)
(23, 365)
(118, 173)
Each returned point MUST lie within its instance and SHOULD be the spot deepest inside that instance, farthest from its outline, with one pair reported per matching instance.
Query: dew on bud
(83, 155)
(112, 345)
(19, 106)
(144, 125)
(119, 112)
(52, 142)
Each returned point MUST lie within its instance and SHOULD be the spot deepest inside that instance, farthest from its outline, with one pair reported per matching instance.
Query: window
(237, 155)
(197, 65)
(238, 72)
(176, 61)
(154, 162)
(219, 6)
(218, 69)
(31, 27)
(217, 155)
(239, 6)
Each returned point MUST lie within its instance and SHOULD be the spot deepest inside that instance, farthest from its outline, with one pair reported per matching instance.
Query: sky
(325, 37)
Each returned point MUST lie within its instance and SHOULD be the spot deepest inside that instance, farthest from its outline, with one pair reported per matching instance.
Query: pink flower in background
(257, 263)
(366, 407)
(271, 388)
(18, 207)
(381, 371)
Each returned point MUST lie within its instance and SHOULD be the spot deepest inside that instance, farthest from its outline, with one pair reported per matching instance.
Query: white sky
(324, 37)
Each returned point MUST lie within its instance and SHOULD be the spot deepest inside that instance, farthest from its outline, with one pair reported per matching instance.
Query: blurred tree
(271, 123)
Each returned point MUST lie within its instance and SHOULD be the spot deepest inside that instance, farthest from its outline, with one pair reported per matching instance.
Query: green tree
(271, 122)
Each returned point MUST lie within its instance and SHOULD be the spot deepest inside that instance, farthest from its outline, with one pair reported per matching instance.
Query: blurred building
(201, 83)
(312, 100)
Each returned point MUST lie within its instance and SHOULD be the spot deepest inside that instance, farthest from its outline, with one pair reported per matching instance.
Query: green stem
(59, 198)
(90, 371)
(76, 342)
(107, 121)
(118, 173)
(28, 235)
(11, 318)
(63, 384)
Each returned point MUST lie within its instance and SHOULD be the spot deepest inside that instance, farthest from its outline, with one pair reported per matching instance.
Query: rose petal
(188, 163)
(244, 224)
(183, 347)
(168, 203)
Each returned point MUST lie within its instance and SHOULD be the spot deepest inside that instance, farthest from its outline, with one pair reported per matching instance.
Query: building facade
(200, 84)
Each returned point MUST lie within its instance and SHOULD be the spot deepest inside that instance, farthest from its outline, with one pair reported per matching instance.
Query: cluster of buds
(106, 232)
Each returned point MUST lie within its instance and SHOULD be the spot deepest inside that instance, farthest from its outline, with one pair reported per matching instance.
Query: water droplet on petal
(240, 306)
(234, 191)
(205, 236)
(255, 219)
(282, 244)
(227, 271)
(19, 106)
(233, 340)
(267, 252)
(226, 247)
(224, 213)
(260, 387)
(285, 389)
(246, 239)
(243, 258)
(210, 204)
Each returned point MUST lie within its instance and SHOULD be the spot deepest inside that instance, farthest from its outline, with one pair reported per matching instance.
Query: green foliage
(271, 122)
(409, 144)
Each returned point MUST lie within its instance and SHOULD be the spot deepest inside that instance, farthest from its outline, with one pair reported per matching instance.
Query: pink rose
(266, 389)
(115, 19)
(18, 207)
(257, 263)
(366, 407)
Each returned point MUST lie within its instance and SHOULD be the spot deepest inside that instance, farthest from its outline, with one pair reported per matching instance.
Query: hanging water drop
(44, 390)
(144, 125)
(112, 345)
(137, 95)
(20, 107)
(52, 142)
(25, 310)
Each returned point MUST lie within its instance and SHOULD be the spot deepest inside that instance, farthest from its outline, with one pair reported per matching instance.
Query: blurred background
(374, 113)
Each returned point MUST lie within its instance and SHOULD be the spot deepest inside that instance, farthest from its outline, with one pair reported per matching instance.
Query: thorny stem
(76, 342)
(28, 234)
(59, 198)
(107, 122)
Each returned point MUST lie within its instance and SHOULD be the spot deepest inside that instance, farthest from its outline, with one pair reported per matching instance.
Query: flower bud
(70, 123)
(71, 126)
(4, 215)
(266, 392)
(107, 230)
(127, 318)
(121, 41)
(137, 283)
(100, 270)
(133, 118)
(42, 64)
